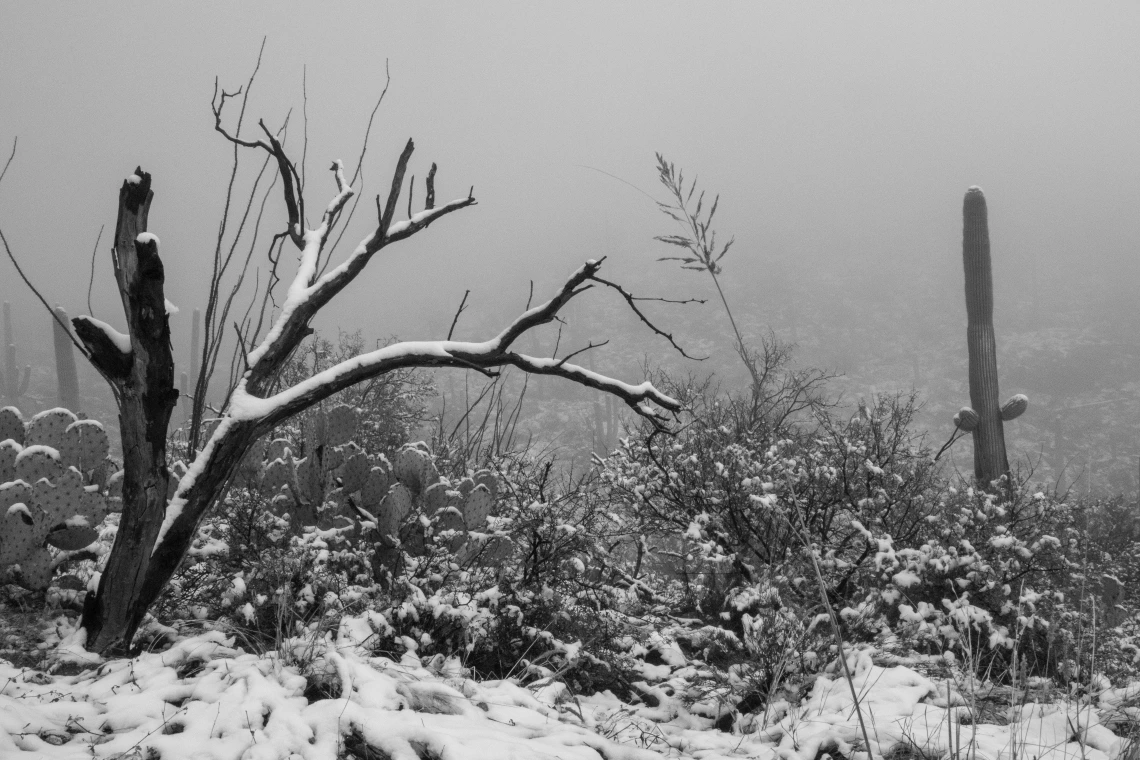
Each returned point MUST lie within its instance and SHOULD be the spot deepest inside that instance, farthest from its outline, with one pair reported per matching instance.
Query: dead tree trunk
(141, 373)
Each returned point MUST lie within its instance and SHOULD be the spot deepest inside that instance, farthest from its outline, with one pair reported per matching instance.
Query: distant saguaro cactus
(14, 385)
(985, 415)
(66, 375)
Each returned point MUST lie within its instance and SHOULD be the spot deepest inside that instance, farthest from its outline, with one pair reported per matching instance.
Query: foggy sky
(840, 136)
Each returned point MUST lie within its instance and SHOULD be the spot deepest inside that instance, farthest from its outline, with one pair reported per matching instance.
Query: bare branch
(91, 280)
(304, 130)
(394, 192)
(582, 350)
(82, 349)
(104, 352)
(547, 312)
(11, 156)
(429, 201)
(460, 310)
(632, 299)
(358, 174)
(290, 181)
(217, 105)
(241, 344)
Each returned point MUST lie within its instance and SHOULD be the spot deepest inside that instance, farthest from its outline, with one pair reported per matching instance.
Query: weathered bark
(144, 389)
(990, 461)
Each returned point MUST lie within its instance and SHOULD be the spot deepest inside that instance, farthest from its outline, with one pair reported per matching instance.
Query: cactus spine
(66, 375)
(14, 385)
(990, 461)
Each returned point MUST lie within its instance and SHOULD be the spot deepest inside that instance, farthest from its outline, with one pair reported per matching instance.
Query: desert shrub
(736, 514)
(520, 597)
(737, 500)
(1016, 584)
(249, 570)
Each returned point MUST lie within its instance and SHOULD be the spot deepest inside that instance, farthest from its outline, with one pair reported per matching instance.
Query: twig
(10, 157)
(583, 350)
(954, 436)
(304, 131)
(91, 280)
(460, 310)
(241, 344)
(67, 329)
(358, 174)
(631, 299)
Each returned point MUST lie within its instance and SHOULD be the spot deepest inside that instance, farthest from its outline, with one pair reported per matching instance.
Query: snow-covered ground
(325, 699)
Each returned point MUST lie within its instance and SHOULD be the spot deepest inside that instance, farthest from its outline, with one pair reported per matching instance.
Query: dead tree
(154, 534)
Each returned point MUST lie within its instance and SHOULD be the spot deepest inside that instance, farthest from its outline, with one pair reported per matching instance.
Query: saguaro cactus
(66, 375)
(14, 385)
(984, 416)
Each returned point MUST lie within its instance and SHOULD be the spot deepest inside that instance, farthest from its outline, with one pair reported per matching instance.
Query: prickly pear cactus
(404, 503)
(55, 478)
(311, 478)
(422, 510)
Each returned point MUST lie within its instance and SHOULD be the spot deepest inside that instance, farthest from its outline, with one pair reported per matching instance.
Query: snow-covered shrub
(1015, 582)
(249, 570)
(720, 503)
(729, 516)
(545, 607)
(539, 609)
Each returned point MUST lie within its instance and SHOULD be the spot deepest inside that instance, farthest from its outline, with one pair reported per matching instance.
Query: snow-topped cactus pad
(85, 445)
(11, 425)
(48, 428)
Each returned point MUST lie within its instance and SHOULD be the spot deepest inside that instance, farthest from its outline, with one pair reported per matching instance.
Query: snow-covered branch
(108, 349)
(266, 412)
(307, 292)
